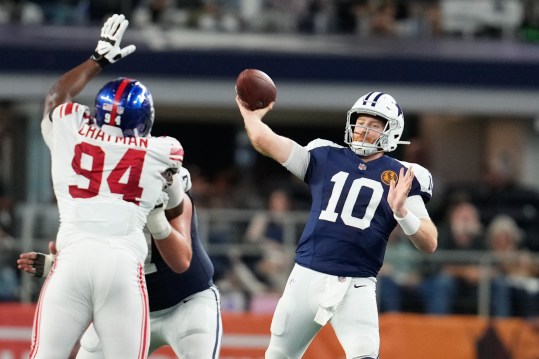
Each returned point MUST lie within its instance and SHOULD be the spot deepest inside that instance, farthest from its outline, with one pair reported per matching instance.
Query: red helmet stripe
(117, 98)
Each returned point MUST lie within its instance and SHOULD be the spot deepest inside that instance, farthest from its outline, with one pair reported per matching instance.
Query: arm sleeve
(416, 205)
(73, 111)
(46, 130)
(298, 161)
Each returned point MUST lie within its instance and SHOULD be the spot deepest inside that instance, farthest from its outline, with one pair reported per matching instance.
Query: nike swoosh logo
(185, 301)
(359, 286)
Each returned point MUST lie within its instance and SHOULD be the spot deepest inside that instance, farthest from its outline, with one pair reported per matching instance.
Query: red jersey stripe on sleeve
(69, 109)
(176, 154)
(66, 109)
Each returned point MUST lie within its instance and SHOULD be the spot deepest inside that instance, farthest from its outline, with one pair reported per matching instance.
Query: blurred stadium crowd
(489, 236)
(489, 230)
(400, 18)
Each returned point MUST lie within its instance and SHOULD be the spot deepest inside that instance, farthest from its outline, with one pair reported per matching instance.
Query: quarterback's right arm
(262, 137)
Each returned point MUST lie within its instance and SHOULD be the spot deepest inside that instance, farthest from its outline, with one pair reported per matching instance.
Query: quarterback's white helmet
(384, 107)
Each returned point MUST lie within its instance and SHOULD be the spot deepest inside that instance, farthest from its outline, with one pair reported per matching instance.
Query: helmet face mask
(383, 107)
(125, 104)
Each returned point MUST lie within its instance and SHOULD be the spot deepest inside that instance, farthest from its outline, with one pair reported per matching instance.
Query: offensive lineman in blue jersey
(359, 195)
(185, 308)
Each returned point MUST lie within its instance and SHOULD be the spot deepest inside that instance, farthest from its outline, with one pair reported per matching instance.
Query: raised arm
(421, 231)
(108, 51)
(70, 84)
(262, 137)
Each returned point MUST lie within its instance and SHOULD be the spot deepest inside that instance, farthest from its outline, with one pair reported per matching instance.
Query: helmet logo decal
(388, 176)
(399, 109)
(373, 101)
(366, 98)
(115, 106)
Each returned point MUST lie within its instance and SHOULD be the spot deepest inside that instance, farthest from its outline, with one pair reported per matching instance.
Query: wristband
(157, 224)
(100, 59)
(409, 223)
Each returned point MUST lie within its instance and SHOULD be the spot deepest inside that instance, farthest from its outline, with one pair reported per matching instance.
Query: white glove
(108, 49)
(157, 222)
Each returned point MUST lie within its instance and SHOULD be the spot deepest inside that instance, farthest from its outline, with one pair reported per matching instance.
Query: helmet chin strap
(360, 149)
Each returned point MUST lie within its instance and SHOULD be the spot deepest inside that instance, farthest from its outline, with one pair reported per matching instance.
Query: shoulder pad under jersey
(70, 108)
(321, 143)
(186, 179)
(422, 175)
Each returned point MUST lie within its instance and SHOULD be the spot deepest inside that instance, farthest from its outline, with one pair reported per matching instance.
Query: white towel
(334, 290)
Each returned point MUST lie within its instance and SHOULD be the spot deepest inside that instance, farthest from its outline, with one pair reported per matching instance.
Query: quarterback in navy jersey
(359, 195)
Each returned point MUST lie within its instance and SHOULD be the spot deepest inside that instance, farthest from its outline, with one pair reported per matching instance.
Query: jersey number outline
(132, 161)
(329, 214)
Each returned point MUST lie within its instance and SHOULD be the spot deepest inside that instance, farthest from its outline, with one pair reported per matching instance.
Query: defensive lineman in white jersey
(108, 176)
(359, 195)
(184, 307)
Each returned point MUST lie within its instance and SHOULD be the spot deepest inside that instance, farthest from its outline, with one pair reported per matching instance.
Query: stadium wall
(404, 336)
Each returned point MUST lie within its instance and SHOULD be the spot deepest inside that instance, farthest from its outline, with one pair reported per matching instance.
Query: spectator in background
(267, 229)
(501, 193)
(99, 10)
(9, 278)
(260, 274)
(400, 276)
(352, 16)
(452, 286)
(383, 18)
(268, 226)
(518, 266)
(64, 12)
(6, 210)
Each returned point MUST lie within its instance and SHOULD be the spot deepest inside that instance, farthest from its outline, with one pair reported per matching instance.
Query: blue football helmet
(126, 104)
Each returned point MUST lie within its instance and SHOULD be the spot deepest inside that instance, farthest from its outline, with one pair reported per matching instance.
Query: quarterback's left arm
(411, 213)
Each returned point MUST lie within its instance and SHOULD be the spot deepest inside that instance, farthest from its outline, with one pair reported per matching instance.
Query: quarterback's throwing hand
(108, 49)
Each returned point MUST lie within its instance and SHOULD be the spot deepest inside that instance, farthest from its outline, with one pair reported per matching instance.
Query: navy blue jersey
(350, 219)
(167, 288)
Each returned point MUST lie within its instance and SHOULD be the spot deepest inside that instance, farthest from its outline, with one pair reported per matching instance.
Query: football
(255, 89)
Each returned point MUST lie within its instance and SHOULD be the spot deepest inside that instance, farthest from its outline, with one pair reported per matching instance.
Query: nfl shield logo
(362, 166)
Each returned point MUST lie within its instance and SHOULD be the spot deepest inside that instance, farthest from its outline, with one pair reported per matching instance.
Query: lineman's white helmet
(384, 107)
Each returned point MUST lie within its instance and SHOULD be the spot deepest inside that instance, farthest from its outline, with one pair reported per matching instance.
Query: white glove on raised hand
(108, 49)
(157, 222)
